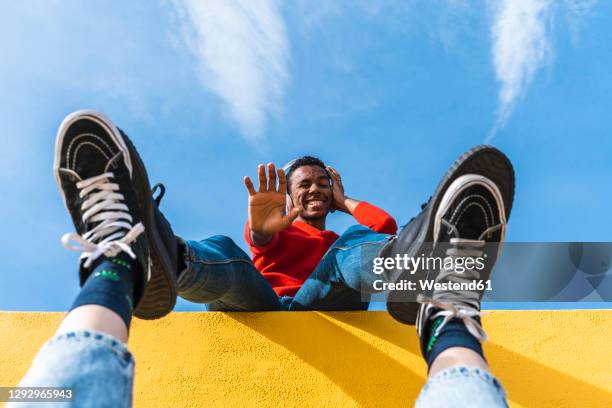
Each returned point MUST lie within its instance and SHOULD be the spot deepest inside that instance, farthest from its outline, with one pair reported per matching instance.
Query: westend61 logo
(430, 263)
(427, 263)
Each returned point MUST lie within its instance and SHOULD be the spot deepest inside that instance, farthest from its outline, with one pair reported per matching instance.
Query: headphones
(289, 202)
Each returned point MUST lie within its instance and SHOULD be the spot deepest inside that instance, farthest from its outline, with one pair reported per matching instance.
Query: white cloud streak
(243, 55)
(521, 45)
(577, 10)
(580, 7)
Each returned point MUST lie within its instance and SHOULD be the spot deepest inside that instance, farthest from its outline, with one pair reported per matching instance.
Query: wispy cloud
(580, 7)
(243, 55)
(576, 11)
(521, 45)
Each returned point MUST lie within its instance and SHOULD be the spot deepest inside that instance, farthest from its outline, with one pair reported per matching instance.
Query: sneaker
(470, 222)
(104, 186)
(417, 236)
(161, 293)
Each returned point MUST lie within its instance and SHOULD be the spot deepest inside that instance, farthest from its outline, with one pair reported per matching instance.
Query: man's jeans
(100, 370)
(97, 367)
(222, 275)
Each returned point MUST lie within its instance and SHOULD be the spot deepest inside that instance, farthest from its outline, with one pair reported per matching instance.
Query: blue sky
(389, 93)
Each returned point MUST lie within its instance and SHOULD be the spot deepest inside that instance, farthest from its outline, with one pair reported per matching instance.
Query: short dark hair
(304, 161)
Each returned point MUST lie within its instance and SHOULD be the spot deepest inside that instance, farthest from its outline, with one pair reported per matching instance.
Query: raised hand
(337, 189)
(267, 206)
(341, 201)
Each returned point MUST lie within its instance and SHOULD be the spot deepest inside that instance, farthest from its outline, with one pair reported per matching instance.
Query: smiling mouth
(314, 203)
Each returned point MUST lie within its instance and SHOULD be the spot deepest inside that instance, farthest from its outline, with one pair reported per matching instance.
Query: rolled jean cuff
(99, 339)
(460, 387)
(97, 367)
(187, 261)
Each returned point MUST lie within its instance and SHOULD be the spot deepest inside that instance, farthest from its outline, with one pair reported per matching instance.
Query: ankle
(110, 285)
(457, 357)
(95, 318)
(453, 336)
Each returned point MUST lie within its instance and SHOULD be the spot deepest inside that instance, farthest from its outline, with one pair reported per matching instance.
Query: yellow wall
(544, 359)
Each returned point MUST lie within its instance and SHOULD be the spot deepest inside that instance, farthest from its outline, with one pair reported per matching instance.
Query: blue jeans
(97, 367)
(462, 387)
(222, 276)
(100, 370)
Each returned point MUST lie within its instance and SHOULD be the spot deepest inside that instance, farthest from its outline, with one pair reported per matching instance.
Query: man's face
(311, 191)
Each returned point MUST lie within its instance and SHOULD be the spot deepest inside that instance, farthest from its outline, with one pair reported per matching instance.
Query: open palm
(267, 206)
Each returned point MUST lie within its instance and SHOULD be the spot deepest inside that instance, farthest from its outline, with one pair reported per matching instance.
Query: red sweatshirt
(293, 254)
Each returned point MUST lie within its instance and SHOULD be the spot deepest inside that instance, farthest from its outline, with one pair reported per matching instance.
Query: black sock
(453, 334)
(111, 284)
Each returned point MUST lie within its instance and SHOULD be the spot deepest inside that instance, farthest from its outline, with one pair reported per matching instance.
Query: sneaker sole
(159, 292)
(482, 160)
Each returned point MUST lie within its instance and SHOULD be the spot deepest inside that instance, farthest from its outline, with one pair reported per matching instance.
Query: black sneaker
(161, 291)
(417, 237)
(470, 223)
(105, 188)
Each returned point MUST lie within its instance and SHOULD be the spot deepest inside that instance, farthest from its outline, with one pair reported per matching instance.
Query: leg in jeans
(223, 276)
(344, 275)
(472, 220)
(460, 377)
(105, 187)
(84, 357)
(88, 354)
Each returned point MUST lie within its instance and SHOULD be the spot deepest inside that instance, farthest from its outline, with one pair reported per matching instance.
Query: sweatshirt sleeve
(374, 218)
(255, 250)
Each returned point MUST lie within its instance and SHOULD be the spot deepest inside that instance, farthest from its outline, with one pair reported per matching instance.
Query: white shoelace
(463, 305)
(115, 232)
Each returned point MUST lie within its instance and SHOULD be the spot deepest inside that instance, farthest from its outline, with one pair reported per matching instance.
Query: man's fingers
(261, 174)
(282, 181)
(333, 173)
(271, 177)
(249, 185)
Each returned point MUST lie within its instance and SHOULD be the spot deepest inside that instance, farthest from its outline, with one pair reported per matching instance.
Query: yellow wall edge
(543, 358)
